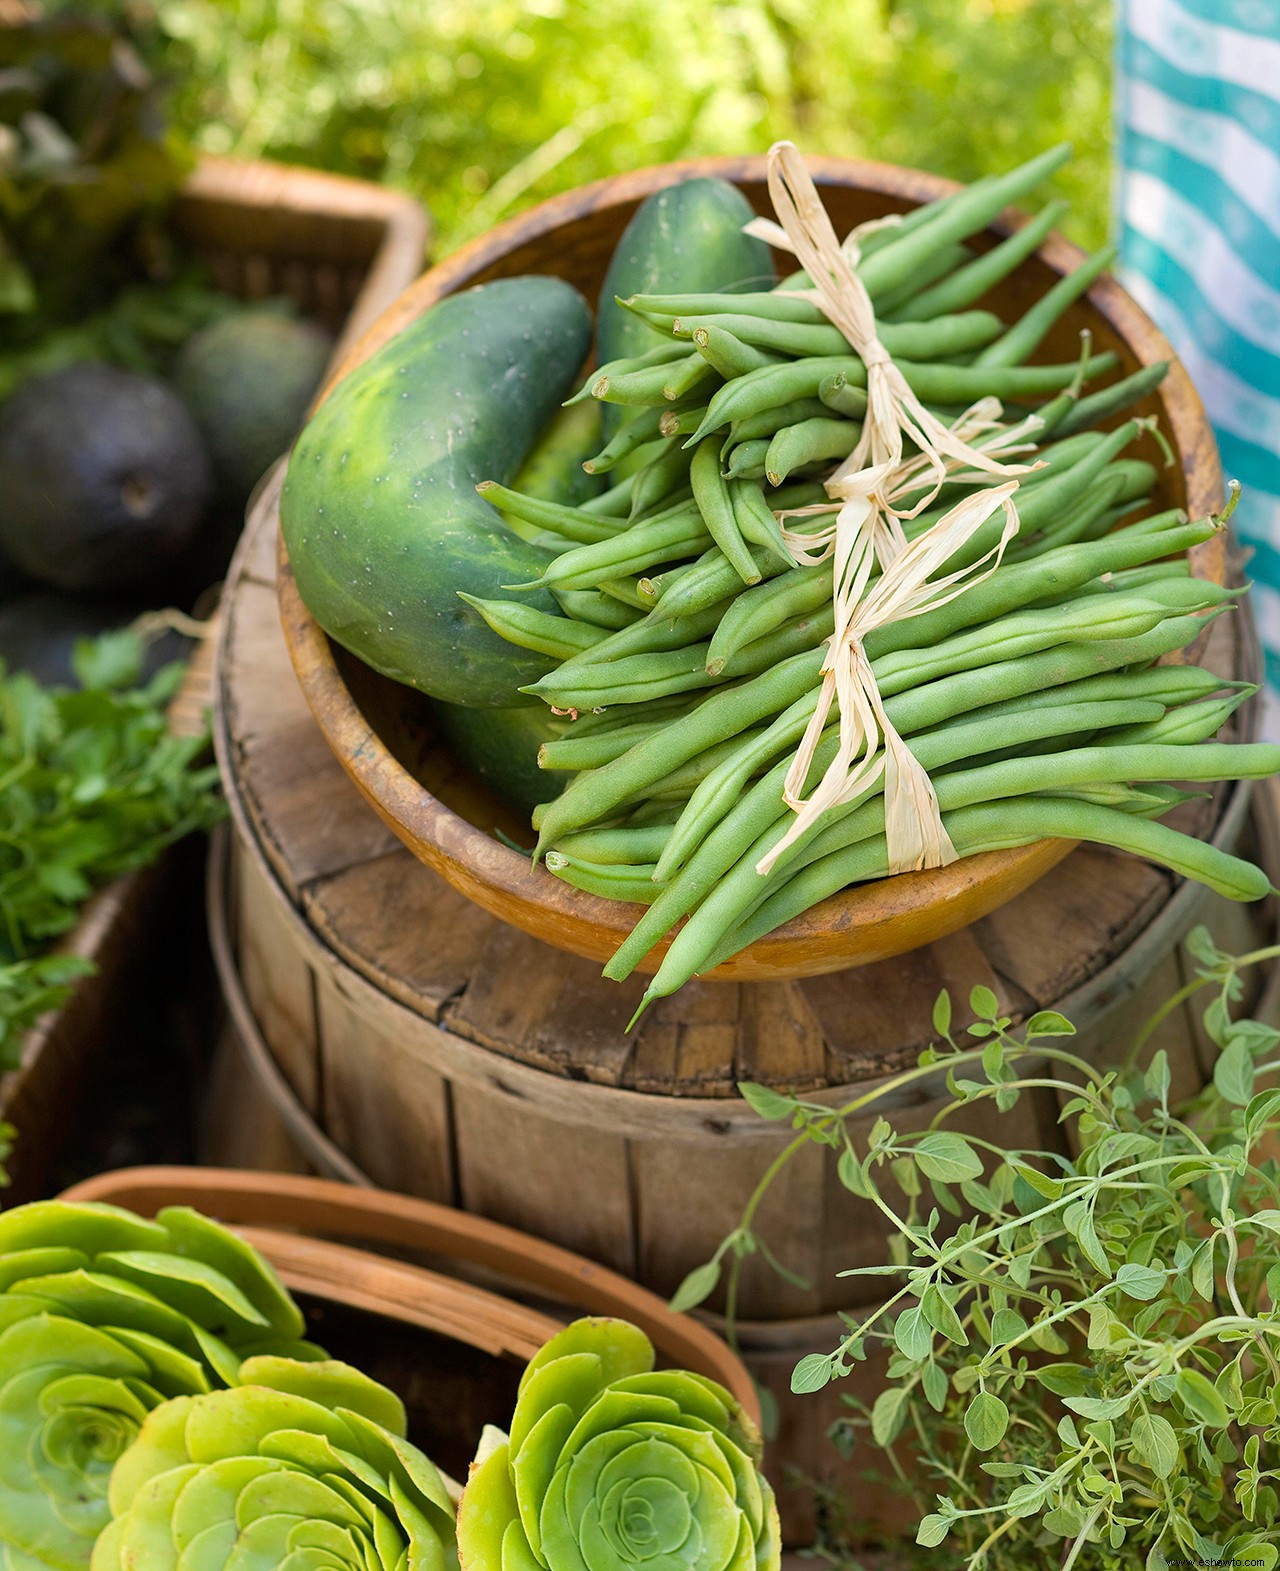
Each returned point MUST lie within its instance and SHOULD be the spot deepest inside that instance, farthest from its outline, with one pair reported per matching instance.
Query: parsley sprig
(92, 785)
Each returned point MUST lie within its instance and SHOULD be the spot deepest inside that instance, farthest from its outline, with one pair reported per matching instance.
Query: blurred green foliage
(481, 107)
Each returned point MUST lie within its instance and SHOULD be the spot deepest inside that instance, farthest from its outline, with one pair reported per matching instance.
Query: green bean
(1028, 332)
(999, 827)
(839, 396)
(773, 419)
(771, 304)
(687, 591)
(970, 211)
(747, 460)
(1131, 579)
(687, 375)
(715, 796)
(664, 476)
(711, 492)
(755, 825)
(728, 355)
(1048, 500)
(626, 591)
(680, 784)
(836, 849)
(529, 628)
(971, 282)
(597, 878)
(946, 259)
(633, 679)
(637, 430)
(723, 715)
(757, 522)
(591, 566)
(633, 388)
(590, 605)
(655, 633)
(1187, 723)
(618, 846)
(1018, 633)
(1116, 398)
(600, 747)
(943, 384)
(680, 422)
(570, 523)
(758, 611)
(938, 340)
(807, 443)
(1067, 674)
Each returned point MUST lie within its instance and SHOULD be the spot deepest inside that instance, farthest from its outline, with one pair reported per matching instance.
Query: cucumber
(500, 748)
(379, 510)
(553, 470)
(686, 238)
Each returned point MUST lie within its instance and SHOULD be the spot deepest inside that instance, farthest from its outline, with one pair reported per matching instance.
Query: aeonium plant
(612, 1465)
(1083, 1351)
(300, 1467)
(103, 1317)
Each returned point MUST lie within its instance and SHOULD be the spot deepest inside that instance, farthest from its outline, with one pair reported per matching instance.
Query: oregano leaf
(766, 1102)
(889, 1415)
(932, 1530)
(1155, 1443)
(1048, 1022)
(698, 1286)
(1233, 1073)
(912, 1333)
(811, 1373)
(942, 1013)
(985, 1421)
(942, 1316)
(947, 1158)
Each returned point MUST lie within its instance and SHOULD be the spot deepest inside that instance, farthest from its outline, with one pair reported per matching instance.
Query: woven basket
(342, 250)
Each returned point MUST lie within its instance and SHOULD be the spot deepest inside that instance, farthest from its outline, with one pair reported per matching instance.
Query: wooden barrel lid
(408, 933)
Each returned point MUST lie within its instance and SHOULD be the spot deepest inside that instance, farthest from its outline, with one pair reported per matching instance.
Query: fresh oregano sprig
(1083, 1351)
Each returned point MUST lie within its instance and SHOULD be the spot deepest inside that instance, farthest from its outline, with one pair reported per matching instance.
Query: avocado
(103, 479)
(248, 382)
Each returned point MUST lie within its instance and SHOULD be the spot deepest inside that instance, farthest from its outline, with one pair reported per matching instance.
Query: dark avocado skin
(379, 510)
(685, 239)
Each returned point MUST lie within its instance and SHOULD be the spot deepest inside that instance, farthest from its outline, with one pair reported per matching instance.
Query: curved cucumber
(380, 513)
(500, 748)
(689, 238)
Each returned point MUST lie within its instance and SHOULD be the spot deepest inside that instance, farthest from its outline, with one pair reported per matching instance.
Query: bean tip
(715, 667)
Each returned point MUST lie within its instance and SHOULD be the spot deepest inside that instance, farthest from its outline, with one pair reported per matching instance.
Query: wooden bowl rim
(455, 848)
(314, 1208)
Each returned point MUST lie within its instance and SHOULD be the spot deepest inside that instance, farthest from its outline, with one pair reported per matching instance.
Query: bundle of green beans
(690, 645)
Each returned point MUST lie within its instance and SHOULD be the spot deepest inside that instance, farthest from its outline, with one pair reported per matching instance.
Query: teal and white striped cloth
(1198, 195)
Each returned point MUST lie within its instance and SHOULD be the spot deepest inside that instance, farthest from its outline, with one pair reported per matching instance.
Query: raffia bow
(871, 489)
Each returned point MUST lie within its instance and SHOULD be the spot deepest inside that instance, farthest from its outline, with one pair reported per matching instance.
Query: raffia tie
(870, 488)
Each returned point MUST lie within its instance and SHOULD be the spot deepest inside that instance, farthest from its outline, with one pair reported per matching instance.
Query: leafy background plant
(481, 107)
(1083, 1351)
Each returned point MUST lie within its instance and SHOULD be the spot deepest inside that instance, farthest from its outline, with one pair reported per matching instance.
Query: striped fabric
(1198, 197)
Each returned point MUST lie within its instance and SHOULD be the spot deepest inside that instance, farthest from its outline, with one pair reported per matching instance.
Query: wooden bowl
(490, 1288)
(381, 731)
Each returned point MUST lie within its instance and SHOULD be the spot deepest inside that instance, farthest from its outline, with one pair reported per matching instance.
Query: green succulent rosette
(104, 1316)
(613, 1466)
(302, 1467)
